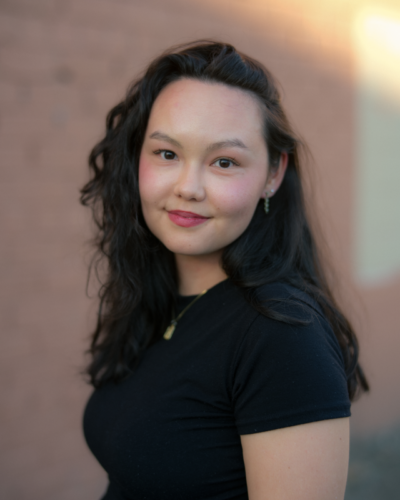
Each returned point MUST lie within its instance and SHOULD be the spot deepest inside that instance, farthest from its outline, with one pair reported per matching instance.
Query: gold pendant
(169, 331)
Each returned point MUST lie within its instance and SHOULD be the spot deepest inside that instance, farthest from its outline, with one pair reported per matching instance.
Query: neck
(198, 273)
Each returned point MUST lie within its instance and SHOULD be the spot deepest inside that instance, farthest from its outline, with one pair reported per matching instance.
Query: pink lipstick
(186, 219)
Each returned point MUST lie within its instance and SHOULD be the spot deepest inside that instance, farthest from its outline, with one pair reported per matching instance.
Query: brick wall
(63, 64)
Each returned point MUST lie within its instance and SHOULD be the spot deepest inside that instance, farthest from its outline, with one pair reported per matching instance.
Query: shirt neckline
(184, 300)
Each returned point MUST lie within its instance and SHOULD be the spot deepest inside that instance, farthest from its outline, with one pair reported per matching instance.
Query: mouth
(188, 215)
(186, 219)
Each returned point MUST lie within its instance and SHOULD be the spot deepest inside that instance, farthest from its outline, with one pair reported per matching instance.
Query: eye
(166, 154)
(225, 163)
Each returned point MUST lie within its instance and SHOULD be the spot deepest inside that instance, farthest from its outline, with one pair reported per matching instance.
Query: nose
(190, 185)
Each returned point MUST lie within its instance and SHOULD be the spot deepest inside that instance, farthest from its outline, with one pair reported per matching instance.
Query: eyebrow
(166, 138)
(229, 143)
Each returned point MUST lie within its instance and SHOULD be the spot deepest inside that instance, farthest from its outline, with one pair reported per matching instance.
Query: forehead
(208, 107)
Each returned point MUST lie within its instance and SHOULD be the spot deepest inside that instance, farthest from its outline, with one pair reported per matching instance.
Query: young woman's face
(203, 166)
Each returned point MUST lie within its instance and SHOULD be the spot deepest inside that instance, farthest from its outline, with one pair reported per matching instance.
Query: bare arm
(303, 462)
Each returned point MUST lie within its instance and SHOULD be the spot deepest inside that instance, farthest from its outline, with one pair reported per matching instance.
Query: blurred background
(63, 65)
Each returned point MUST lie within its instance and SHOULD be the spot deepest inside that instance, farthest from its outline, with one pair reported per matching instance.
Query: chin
(190, 247)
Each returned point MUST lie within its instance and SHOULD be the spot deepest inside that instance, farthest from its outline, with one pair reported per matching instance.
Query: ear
(275, 176)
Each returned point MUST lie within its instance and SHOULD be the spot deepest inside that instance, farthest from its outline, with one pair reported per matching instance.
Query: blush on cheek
(147, 176)
(239, 198)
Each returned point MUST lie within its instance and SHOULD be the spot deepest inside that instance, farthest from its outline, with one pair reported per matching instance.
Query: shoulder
(297, 324)
(296, 371)
(289, 300)
(282, 316)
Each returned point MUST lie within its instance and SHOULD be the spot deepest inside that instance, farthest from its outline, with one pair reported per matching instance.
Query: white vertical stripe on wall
(377, 181)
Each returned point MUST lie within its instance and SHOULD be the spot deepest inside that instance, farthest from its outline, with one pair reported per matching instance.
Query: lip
(186, 219)
(183, 213)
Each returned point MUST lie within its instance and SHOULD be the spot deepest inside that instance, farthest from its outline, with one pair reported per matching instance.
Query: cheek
(238, 198)
(147, 180)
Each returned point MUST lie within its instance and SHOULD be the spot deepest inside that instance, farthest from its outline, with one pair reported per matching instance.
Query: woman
(222, 367)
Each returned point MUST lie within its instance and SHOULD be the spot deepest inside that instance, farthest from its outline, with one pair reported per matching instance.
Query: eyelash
(227, 159)
(161, 151)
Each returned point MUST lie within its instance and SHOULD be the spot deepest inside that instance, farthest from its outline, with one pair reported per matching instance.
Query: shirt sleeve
(285, 375)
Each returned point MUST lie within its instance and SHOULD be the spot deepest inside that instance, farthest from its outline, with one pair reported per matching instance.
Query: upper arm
(302, 462)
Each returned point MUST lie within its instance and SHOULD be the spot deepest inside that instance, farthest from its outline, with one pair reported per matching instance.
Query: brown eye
(224, 163)
(168, 155)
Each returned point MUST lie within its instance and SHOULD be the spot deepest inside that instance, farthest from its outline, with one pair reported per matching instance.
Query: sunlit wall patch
(377, 181)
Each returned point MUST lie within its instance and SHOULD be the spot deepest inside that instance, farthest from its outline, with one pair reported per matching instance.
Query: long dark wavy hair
(140, 287)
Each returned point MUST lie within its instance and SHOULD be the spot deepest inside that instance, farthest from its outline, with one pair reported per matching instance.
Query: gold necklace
(170, 330)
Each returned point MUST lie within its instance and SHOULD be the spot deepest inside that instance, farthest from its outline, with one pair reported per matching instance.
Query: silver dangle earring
(266, 204)
(266, 201)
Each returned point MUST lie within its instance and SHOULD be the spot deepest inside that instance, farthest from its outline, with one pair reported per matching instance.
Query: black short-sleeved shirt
(172, 430)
